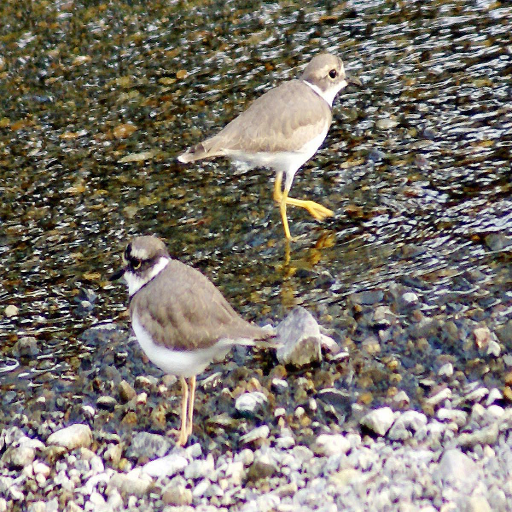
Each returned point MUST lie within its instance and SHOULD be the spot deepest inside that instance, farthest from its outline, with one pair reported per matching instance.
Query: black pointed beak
(354, 80)
(117, 275)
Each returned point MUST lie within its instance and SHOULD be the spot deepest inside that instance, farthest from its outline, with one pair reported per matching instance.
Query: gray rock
(106, 403)
(74, 436)
(249, 404)
(379, 420)
(456, 416)
(301, 339)
(145, 444)
(263, 467)
(26, 347)
(440, 396)
(11, 310)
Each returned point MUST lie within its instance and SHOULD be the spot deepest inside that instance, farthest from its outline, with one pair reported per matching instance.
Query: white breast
(176, 362)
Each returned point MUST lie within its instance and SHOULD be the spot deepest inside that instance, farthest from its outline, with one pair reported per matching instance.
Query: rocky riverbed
(267, 436)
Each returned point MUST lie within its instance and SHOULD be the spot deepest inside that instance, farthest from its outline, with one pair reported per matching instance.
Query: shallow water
(96, 101)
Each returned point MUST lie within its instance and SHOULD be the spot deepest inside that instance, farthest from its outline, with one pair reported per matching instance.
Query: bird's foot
(316, 210)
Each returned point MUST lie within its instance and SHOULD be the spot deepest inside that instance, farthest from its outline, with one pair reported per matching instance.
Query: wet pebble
(11, 310)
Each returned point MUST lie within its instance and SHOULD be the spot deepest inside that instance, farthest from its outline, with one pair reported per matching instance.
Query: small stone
(379, 420)
(201, 489)
(446, 370)
(407, 424)
(200, 468)
(113, 454)
(456, 416)
(331, 444)
(456, 467)
(40, 468)
(134, 483)
(257, 434)
(106, 403)
(261, 468)
(250, 404)
(495, 395)
(488, 435)
(74, 436)
(440, 396)
(279, 385)
(18, 457)
(73, 507)
(169, 465)
(177, 495)
(401, 399)
(26, 347)
(386, 123)
(148, 445)
(37, 506)
(126, 391)
(482, 337)
(301, 339)
(11, 310)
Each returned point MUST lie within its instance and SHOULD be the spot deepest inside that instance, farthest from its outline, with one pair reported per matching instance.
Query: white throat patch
(329, 94)
(136, 282)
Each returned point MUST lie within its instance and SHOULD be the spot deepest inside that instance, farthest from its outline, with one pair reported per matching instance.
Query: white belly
(176, 362)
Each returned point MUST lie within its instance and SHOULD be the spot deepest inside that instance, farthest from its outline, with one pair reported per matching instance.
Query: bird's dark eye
(333, 73)
(136, 264)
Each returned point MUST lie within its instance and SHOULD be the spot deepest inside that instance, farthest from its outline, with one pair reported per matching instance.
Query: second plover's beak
(354, 80)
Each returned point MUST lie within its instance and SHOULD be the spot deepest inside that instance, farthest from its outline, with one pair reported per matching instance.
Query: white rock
(457, 468)
(40, 468)
(250, 403)
(331, 444)
(446, 370)
(457, 416)
(74, 436)
(407, 424)
(136, 483)
(200, 468)
(379, 420)
(439, 397)
(256, 434)
(169, 465)
(11, 310)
